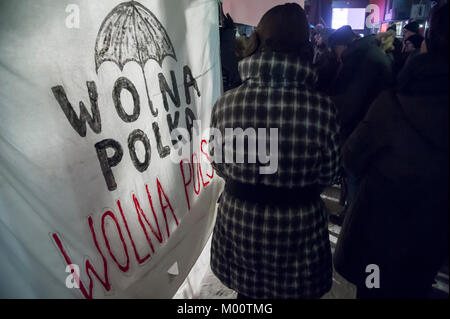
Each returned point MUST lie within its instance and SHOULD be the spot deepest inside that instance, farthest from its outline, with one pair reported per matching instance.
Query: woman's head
(283, 28)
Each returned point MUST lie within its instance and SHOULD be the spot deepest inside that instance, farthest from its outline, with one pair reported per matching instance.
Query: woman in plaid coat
(271, 236)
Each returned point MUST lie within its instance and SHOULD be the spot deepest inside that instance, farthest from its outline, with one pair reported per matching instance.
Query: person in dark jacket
(365, 72)
(271, 237)
(325, 61)
(340, 40)
(230, 72)
(399, 219)
(329, 60)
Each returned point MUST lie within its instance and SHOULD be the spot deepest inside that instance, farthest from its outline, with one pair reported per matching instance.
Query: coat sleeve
(216, 143)
(331, 152)
(368, 139)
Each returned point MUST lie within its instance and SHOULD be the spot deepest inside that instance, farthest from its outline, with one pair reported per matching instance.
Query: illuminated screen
(384, 27)
(354, 17)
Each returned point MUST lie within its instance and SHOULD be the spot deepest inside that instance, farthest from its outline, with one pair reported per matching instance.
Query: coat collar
(274, 69)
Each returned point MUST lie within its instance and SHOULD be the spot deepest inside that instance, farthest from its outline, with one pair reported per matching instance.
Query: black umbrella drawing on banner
(131, 32)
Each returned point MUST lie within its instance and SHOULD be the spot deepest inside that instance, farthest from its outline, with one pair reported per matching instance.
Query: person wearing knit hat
(271, 238)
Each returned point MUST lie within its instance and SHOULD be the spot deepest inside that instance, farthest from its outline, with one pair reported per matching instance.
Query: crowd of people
(370, 113)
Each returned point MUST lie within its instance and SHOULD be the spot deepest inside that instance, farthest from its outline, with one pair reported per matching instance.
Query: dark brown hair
(283, 28)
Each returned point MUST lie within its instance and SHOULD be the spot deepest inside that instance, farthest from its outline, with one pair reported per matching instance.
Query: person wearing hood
(399, 219)
(271, 237)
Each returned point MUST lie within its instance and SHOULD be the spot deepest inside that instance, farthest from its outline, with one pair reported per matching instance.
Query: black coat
(327, 68)
(230, 72)
(399, 219)
(365, 72)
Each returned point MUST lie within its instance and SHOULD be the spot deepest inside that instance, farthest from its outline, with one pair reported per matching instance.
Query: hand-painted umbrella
(132, 33)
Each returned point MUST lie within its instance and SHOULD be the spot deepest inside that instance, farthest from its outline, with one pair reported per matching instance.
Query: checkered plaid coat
(260, 250)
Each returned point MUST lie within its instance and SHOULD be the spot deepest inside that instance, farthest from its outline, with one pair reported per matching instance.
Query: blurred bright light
(355, 17)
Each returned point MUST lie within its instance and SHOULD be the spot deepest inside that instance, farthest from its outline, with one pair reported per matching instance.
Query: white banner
(92, 204)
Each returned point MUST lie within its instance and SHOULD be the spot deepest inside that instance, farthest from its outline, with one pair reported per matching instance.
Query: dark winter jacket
(276, 250)
(399, 220)
(366, 71)
(327, 68)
